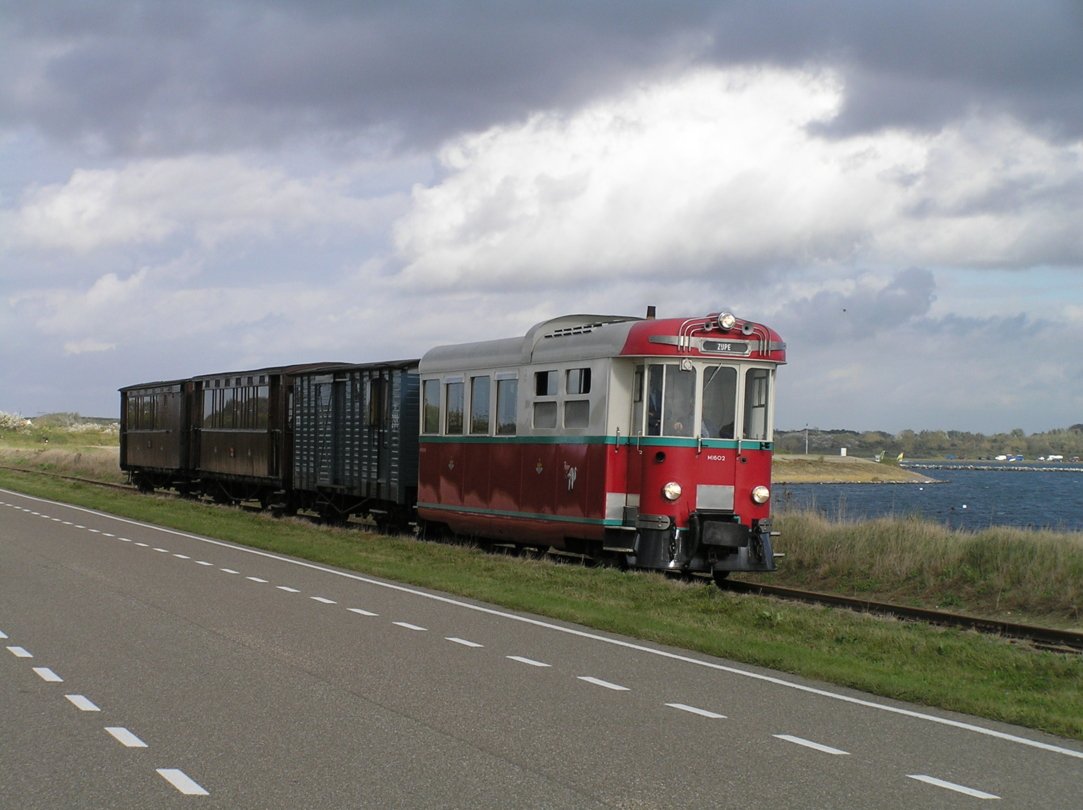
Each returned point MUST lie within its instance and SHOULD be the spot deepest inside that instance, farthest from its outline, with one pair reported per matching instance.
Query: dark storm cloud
(919, 63)
(159, 77)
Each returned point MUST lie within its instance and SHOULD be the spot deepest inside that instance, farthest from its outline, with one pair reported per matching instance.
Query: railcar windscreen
(757, 389)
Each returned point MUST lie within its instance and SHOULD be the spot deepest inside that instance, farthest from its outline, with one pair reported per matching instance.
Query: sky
(896, 188)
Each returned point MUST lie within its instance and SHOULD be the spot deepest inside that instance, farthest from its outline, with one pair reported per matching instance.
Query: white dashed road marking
(693, 710)
(182, 782)
(323, 600)
(616, 687)
(125, 737)
(527, 661)
(48, 675)
(82, 703)
(931, 780)
(287, 589)
(361, 612)
(409, 626)
(19, 652)
(464, 642)
(813, 745)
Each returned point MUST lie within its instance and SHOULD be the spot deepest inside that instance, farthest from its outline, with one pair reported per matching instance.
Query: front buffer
(713, 542)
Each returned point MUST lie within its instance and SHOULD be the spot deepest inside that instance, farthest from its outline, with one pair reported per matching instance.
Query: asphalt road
(142, 667)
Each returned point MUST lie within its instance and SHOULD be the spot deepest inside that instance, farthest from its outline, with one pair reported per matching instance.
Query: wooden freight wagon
(154, 447)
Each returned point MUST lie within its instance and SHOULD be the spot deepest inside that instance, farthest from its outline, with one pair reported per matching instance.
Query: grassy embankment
(960, 671)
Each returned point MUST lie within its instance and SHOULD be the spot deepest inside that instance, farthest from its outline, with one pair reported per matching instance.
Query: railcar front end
(702, 421)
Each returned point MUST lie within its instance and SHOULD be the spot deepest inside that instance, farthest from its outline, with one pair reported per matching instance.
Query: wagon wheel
(720, 578)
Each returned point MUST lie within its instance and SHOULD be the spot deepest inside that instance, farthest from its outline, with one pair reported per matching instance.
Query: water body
(1027, 497)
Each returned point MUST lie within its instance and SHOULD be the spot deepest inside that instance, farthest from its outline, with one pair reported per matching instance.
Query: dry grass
(1000, 572)
(94, 462)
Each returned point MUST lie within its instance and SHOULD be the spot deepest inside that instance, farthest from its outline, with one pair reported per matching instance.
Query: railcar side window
(719, 398)
(430, 419)
(577, 413)
(507, 392)
(578, 381)
(545, 414)
(453, 399)
(545, 383)
(479, 405)
(150, 410)
(262, 406)
(756, 399)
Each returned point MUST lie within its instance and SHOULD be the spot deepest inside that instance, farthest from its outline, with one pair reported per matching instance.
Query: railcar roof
(589, 336)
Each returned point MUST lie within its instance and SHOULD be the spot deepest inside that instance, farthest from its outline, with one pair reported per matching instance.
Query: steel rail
(1044, 637)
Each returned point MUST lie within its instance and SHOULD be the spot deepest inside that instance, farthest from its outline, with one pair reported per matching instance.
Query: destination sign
(725, 346)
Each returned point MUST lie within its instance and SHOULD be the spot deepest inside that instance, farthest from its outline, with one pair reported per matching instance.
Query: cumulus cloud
(718, 173)
(208, 199)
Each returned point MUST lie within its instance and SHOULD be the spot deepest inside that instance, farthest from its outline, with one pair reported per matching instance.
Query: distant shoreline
(819, 469)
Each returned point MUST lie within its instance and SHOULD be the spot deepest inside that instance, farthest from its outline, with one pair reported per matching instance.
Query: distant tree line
(1067, 442)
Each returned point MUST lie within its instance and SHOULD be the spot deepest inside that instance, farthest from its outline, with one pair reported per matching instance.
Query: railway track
(1066, 641)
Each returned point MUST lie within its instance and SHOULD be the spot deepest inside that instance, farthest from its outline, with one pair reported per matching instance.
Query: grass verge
(950, 669)
(1034, 577)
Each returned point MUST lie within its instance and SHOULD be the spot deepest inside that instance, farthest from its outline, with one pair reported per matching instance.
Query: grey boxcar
(355, 440)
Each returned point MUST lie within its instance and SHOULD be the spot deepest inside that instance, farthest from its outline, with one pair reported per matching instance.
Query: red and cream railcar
(648, 439)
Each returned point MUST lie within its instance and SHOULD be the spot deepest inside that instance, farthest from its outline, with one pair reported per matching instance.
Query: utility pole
(806, 438)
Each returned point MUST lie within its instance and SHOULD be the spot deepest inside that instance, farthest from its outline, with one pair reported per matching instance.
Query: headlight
(671, 491)
(761, 494)
(726, 320)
